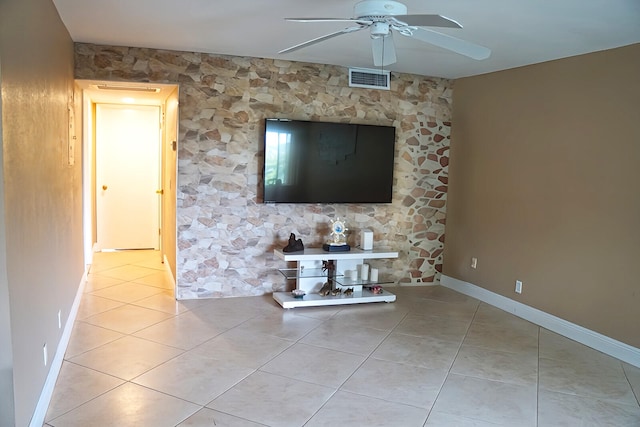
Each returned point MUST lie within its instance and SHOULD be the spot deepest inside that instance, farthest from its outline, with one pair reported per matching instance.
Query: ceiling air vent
(371, 79)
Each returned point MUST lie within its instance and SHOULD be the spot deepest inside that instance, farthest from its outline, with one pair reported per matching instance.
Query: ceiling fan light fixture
(379, 29)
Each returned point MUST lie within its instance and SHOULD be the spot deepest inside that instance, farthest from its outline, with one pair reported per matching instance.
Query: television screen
(320, 162)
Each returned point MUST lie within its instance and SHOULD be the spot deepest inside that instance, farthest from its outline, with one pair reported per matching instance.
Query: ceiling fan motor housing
(378, 9)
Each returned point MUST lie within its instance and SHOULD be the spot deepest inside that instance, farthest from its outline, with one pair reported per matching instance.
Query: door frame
(143, 94)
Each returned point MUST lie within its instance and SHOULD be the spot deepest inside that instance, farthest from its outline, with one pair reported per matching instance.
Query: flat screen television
(322, 162)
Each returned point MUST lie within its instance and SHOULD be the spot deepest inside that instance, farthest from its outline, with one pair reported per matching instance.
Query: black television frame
(328, 162)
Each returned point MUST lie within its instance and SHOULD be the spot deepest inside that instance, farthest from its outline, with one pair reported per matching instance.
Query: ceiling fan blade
(453, 44)
(428, 21)
(384, 51)
(321, 39)
(354, 20)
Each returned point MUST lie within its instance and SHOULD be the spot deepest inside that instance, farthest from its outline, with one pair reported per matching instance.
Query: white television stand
(310, 277)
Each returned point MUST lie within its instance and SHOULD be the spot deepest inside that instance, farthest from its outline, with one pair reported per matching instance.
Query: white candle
(374, 275)
(353, 275)
(364, 272)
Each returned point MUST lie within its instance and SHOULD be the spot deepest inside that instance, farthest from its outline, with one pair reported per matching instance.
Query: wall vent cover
(371, 79)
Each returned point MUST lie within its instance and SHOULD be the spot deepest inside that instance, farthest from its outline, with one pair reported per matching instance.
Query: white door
(127, 176)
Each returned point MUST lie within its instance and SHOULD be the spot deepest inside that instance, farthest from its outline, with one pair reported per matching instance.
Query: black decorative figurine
(294, 245)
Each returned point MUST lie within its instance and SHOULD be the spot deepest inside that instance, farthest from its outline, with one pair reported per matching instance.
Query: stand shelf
(310, 277)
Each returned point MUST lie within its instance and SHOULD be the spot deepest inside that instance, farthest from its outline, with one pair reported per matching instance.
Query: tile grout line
(366, 358)
(435, 401)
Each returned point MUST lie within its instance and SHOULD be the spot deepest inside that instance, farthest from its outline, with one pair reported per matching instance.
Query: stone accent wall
(226, 235)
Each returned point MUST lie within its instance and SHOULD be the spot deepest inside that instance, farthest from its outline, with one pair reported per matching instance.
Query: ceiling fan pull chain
(382, 59)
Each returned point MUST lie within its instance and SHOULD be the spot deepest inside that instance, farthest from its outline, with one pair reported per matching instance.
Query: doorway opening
(130, 134)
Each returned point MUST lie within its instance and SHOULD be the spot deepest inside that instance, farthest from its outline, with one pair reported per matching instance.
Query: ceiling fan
(382, 18)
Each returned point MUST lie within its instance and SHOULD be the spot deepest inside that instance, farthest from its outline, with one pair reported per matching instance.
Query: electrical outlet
(474, 262)
(45, 354)
(518, 287)
(59, 319)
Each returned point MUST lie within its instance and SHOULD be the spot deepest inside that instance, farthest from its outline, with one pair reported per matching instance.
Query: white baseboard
(38, 418)
(590, 338)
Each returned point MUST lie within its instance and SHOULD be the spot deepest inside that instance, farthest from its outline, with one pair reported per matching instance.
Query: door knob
(104, 187)
(159, 191)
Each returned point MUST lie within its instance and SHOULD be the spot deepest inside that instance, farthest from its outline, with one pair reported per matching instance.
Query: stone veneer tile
(226, 235)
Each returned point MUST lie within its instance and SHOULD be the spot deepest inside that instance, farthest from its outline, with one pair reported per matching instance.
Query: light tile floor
(434, 357)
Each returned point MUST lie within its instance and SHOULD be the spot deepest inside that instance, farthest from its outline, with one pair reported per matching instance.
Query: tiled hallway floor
(434, 358)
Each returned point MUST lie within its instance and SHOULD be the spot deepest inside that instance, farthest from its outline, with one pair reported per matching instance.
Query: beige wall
(42, 199)
(226, 235)
(544, 179)
(7, 414)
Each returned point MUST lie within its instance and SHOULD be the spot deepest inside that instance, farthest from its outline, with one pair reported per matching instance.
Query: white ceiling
(519, 32)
